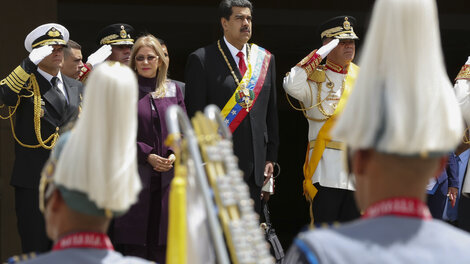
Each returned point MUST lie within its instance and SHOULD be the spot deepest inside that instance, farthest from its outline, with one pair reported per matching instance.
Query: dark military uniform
(40, 113)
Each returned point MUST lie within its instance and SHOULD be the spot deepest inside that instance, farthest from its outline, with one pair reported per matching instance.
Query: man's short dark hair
(225, 7)
(71, 45)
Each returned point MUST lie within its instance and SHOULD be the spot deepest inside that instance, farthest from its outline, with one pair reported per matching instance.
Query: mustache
(246, 28)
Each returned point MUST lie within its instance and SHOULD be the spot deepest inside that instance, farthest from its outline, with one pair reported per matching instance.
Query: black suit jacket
(29, 161)
(209, 81)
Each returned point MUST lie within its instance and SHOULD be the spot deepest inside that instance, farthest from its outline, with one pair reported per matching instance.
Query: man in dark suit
(240, 79)
(44, 101)
(443, 188)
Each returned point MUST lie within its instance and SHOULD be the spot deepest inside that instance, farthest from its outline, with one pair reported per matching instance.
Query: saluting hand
(99, 56)
(327, 48)
(38, 54)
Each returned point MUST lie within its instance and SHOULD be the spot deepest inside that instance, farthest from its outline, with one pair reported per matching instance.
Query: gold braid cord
(36, 94)
(240, 223)
(465, 139)
(310, 64)
(318, 103)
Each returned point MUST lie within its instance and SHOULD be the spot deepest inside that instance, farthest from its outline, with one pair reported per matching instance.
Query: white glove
(468, 60)
(100, 55)
(326, 49)
(37, 55)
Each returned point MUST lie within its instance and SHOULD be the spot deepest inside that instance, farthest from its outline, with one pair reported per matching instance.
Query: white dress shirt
(60, 82)
(234, 51)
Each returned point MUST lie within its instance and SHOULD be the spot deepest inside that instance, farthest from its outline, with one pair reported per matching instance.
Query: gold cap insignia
(346, 24)
(53, 32)
(123, 32)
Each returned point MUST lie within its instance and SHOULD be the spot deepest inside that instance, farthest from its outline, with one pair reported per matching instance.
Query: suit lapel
(72, 93)
(232, 62)
(74, 100)
(49, 94)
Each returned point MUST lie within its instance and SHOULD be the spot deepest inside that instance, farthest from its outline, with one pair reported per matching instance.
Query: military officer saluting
(400, 123)
(115, 42)
(320, 89)
(44, 100)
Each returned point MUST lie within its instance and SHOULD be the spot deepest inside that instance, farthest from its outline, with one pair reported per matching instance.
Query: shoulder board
(318, 75)
(22, 257)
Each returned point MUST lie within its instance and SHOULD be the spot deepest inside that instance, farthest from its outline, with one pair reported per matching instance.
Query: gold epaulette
(16, 80)
(318, 75)
(464, 73)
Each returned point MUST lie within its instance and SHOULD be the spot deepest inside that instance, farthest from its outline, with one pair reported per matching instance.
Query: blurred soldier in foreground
(92, 175)
(400, 123)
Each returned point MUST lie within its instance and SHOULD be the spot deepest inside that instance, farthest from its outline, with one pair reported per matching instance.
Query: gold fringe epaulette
(318, 75)
(464, 73)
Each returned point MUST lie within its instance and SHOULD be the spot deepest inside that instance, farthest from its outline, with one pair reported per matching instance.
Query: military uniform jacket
(209, 81)
(29, 161)
(385, 240)
(298, 84)
(86, 255)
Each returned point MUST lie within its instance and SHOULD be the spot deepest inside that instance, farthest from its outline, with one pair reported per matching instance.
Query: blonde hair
(403, 101)
(152, 42)
(100, 156)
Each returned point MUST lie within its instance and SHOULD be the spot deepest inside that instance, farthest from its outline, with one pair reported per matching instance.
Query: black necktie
(62, 102)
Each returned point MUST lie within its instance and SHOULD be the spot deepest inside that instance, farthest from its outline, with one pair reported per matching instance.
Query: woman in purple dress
(143, 230)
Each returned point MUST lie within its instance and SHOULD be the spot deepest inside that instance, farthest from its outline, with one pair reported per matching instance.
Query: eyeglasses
(149, 58)
(46, 185)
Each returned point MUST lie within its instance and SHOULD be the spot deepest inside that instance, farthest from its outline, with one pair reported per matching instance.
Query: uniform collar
(399, 206)
(336, 67)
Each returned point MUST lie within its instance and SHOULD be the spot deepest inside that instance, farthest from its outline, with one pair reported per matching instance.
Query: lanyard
(399, 206)
(84, 240)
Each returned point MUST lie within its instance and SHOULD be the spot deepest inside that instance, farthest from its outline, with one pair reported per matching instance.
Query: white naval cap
(95, 165)
(47, 34)
(403, 102)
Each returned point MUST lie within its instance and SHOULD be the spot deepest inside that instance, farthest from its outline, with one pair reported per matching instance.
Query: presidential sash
(244, 97)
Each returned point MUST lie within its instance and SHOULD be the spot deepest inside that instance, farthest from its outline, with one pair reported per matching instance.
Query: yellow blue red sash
(258, 63)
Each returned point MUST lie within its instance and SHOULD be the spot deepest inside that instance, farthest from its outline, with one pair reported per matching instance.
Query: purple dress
(143, 230)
